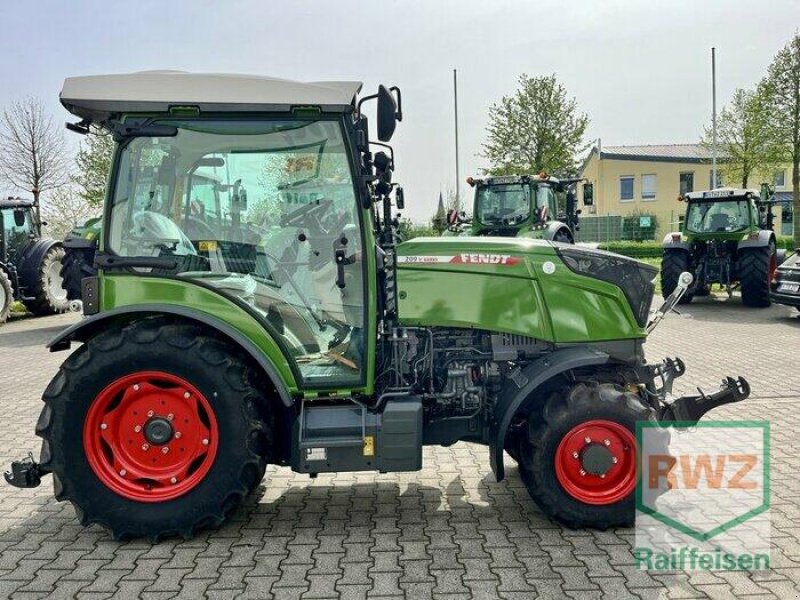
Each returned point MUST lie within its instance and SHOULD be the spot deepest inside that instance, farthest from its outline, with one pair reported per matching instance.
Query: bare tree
(63, 209)
(33, 155)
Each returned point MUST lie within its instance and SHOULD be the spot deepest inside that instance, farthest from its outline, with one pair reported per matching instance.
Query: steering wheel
(199, 229)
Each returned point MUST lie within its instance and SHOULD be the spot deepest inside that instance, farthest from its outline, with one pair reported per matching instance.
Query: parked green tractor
(727, 239)
(333, 349)
(29, 263)
(521, 206)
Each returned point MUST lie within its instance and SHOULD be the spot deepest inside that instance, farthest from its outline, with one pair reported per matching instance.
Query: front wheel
(154, 429)
(579, 460)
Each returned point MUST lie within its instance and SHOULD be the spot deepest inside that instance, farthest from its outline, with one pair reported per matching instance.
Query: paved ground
(448, 531)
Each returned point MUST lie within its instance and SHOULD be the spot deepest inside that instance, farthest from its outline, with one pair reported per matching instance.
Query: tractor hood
(544, 290)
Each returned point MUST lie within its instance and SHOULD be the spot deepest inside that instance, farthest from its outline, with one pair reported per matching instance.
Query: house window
(720, 179)
(648, 187)
(626, 188)
(780, 178)
(686, 184)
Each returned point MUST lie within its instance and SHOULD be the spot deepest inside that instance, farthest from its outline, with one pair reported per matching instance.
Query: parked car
(785, 287)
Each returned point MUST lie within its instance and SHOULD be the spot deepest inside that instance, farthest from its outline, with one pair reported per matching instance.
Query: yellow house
(647, 180)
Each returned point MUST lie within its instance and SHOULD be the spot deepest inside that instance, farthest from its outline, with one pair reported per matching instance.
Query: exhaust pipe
(687, 410)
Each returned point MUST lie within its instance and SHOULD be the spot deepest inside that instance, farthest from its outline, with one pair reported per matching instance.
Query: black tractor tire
(755, 268)
(76, 264)
(673, 263)
(49, 297)
(6, 296)
(563, 411)
(218, 370)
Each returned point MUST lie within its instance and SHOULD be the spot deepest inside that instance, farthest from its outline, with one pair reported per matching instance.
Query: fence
(614, 228)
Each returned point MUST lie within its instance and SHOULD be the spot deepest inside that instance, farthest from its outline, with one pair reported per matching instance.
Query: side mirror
(588, 194)
(19, 217)
(767, 192)
(387, 114)
(453, 217)
(399, 198)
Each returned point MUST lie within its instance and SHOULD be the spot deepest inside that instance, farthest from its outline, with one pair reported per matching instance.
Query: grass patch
(18, 307)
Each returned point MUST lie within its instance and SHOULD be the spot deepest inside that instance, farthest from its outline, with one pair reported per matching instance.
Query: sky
(641, 70)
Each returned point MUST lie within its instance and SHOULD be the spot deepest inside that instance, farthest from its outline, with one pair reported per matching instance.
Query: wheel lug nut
(145, 447)
(123, 472)
(186, 394)
(607, 442)
(178, 434)
(170, 416)
(587, 439)
(205, 441)
(103, 426)
(173, 480)
(136, 387)
(165, 449)
(615, 460)
(138, 428)
(574, 455)
(602, 476)
(583, 472)
(150, 413)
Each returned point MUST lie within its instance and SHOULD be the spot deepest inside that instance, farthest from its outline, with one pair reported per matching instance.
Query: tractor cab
(539, 207)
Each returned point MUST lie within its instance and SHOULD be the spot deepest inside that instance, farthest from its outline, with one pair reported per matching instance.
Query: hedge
(654, 250)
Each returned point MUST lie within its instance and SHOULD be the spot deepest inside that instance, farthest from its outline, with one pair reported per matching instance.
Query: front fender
(669, 243)
(96, 324)
(523, 383)
(554, 228)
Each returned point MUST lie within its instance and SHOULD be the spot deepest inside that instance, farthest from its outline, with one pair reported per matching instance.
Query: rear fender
(94, 325)
(670, 244)
(764, 238)
(522, 385)
(28, 268)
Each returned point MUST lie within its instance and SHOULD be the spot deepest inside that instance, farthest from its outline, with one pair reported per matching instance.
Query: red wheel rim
(596, 462)
(150, 436)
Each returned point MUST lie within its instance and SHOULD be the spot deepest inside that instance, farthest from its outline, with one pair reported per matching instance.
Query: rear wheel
(756, 268)
(6, 296)
(673, 263)
(49, 297)
(579, 460)
(154, 429)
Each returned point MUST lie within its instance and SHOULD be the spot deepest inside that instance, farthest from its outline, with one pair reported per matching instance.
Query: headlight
(634, 278)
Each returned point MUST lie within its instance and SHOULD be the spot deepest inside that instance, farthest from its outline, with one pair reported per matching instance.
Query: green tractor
(727, 239)
(334, 348)
(29, 263)
(521, 206)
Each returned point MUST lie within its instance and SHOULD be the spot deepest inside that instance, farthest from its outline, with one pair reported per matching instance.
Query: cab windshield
(718, 216)
(264, 211)
(507, 204)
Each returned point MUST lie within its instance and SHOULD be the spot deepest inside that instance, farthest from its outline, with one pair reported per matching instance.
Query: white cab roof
(99, 97)
(721, 193)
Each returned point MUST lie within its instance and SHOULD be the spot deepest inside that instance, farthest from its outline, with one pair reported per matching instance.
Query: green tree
(743, 136)
(93, 164)
(539, 128)
(782, 85)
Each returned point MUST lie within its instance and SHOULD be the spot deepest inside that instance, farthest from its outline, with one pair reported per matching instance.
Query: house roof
(98, 97)
(685, 153)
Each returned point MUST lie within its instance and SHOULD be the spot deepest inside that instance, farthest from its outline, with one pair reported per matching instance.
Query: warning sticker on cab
(461, 259)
